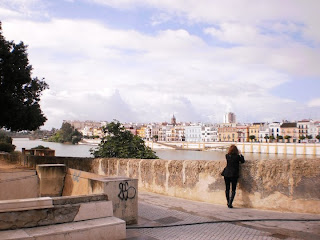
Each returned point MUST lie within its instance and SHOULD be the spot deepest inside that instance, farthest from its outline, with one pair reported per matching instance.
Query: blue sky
(143, 60)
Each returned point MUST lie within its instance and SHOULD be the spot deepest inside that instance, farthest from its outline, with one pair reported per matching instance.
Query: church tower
(173, 120)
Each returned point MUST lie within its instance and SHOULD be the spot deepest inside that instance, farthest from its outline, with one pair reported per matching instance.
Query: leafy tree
(155, 138)
(19, 92)
(309, 136)
(271, 138)
(266, 137)
(318, 137)
(302, 137)
(121, 143)
(6, 143)
(252, 137)
(279, 137)
(66, 134)
(287, 137)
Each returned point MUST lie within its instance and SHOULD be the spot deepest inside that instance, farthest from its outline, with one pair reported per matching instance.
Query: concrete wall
(122, 191)
(286, 185)
(17, 183)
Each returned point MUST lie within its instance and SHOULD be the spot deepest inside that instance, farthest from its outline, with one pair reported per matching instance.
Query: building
(229, 118)
(291, 130)
(274, 129)
(193, 133)
(243, 133)
(254, 131)
(228, 133)
(209, 134)
(173, 120)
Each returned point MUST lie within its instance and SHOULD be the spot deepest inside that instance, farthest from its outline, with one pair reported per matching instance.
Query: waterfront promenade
(158, 210)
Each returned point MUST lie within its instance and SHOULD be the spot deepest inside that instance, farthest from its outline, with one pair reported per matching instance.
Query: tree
(19, 92)
(302, 137)
(318, 137)
(252, 137)
(121, 143)
(6, 143)
(271, 138)
(279, 137)
(309, 137)
(288, 138)
(266, 137)
(67, 133)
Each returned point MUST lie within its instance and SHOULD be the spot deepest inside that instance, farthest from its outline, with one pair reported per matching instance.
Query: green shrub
(7, 147)
(4, 138)
(40, 147)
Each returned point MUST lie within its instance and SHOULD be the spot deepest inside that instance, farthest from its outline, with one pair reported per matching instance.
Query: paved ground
(157, 210)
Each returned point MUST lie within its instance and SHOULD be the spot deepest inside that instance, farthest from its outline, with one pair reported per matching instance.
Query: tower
(229, 117)
(173, 120)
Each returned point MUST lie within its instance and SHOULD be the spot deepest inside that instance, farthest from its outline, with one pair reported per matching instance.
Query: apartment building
(243, 133)
(193, 133)
(228, 133)
(254, 130)
(290, 129)
(274, 129)
(209, 134)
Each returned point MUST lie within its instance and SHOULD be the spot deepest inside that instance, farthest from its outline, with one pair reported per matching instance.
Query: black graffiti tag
(126, 192)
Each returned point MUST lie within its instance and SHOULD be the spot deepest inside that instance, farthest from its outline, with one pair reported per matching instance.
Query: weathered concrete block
(51, 179)
(19, 184)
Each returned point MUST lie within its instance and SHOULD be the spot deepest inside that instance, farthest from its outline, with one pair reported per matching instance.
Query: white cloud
(100, 73)
(314, 102)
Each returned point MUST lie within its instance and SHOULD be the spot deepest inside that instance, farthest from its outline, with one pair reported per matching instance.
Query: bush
(40, 147)
(7, 147)
(4, 138)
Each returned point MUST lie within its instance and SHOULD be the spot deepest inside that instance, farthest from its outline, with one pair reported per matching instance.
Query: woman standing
(231, 172)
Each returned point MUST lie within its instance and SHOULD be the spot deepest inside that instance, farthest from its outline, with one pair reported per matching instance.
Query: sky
(145, 60)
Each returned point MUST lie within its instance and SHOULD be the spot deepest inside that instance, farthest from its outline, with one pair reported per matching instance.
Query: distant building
(193, 133)
(173, 120)
(229, 118)
(291, 130)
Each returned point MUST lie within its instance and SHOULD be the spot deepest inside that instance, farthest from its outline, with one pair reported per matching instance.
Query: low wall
(285, 185)
(251, 147)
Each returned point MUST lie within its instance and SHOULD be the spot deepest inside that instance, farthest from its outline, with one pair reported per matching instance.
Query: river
(69, 150)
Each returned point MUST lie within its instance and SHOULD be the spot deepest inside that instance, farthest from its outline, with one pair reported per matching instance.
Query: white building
(274, 129)
(193, 133)
(209, 134)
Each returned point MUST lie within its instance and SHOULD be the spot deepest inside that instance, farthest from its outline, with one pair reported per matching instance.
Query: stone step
(99, 229)
(25, 204)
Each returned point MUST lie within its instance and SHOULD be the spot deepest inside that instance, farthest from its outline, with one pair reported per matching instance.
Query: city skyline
(141, 61)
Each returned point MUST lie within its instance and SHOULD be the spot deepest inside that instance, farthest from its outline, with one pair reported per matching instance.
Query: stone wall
(286, 185)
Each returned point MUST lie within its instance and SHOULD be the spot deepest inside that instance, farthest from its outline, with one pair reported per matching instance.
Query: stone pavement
(156, 210)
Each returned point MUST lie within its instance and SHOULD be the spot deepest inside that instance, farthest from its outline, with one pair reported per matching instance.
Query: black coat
(232, 168)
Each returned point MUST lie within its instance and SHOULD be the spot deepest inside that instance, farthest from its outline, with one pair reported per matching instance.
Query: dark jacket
(232, 168)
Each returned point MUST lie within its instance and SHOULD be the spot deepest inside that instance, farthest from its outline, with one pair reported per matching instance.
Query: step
(99, 229)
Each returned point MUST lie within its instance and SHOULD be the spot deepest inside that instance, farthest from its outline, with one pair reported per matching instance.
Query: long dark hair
(233, 150)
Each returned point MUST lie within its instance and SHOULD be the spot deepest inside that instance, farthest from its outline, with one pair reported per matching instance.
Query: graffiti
(75, 177)
(126, 192)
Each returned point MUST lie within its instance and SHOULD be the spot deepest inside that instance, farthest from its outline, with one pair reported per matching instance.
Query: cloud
(100, 72)
(314, 102)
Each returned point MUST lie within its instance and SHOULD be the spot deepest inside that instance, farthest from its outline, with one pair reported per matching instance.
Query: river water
(69, 150)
